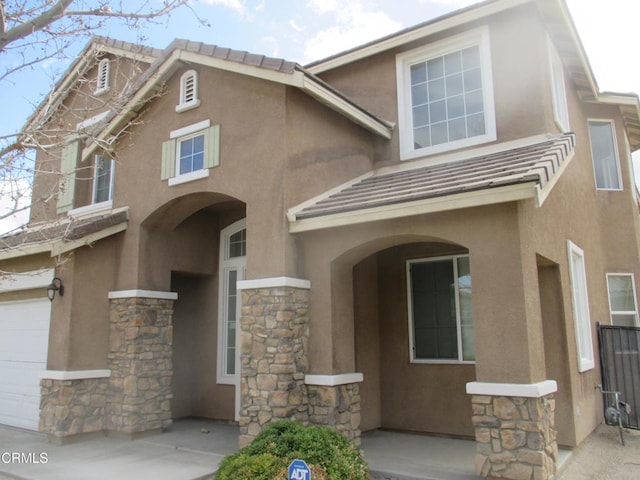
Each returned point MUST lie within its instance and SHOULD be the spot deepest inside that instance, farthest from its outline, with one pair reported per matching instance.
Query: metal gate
(620, 362)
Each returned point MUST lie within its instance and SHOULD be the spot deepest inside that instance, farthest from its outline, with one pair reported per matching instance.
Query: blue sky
(306, 30)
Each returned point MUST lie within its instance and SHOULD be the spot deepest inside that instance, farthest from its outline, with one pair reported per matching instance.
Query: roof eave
(298, 79)
(476, 198)
(73, 72)
(437, 25)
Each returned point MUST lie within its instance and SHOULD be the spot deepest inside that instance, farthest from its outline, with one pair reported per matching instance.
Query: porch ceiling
(510, 172)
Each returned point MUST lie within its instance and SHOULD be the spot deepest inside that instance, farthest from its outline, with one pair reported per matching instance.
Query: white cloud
(236, 5)
(295, 26)
(324, 6)
(353, 26)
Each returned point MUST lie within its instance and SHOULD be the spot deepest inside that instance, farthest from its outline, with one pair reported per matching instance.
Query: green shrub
(328, 453)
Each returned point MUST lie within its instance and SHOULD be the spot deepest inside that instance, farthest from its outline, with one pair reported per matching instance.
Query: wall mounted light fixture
(55, 286)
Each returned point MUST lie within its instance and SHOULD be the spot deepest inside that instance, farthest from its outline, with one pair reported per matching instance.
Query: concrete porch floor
(192, 450)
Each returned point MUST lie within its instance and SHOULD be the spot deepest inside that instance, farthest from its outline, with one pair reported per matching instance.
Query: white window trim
(478, 36)
(188, 105)
(558, 88)
(581, 314)
(615, 152)
(95, 180)
(104, 71)
(412, 358)
(91, 209)
(635, 299)
(188, 177)
(226, 264)
(184, 131)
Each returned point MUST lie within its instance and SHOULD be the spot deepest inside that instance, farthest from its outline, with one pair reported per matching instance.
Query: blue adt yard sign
(299, 470)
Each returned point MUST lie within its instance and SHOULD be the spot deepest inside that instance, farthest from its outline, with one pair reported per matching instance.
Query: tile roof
(535, 163)
(62, 232)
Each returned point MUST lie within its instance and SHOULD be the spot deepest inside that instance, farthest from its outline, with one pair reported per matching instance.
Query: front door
(233, 259)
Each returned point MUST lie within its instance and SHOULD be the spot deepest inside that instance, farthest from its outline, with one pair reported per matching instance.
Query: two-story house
(416, 234)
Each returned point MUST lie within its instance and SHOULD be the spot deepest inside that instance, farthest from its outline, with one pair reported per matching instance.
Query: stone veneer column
(140, 359)
(334, 401)
(274, 332)
(514, 428)
(72, 403)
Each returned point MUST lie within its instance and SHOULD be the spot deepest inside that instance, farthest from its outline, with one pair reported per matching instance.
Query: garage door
(24, 338)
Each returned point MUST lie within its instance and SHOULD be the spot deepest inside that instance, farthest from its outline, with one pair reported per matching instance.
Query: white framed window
(103, 175)
(102, 78)
(623, 304)
(233, 252)
(558, 89)
(188, 91)
(440, 310)
(604, 153)
(445, 95)
(190, 153)
(580, 301)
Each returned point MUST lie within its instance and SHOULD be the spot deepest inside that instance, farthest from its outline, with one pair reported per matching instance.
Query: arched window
(102, 80)
(188, 91)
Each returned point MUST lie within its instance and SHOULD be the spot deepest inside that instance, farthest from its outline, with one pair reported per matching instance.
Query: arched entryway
(414, 341)
(203, 240)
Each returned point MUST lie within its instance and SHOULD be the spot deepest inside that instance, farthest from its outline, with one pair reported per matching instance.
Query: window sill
(187, 106)
(90, 210)
(189, 177)
(442, 362)
(410, 154)
(100, 91)
(226, 380)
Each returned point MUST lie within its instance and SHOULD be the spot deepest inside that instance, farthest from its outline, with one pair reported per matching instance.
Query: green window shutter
(212, 146)
(168, 159)
(66, 185)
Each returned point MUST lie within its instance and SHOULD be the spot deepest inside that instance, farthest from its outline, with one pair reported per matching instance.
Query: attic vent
(102, 80)
(188, 91)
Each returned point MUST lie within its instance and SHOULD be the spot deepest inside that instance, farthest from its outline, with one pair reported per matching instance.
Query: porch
(192, 449)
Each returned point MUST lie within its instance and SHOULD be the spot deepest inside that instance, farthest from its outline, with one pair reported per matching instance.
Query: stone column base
(274, 332)
(515, 437)
(72, 407)
(140, 359)
(338, 407)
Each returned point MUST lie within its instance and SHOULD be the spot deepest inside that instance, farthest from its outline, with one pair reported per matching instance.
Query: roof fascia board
(582, 54)
(509, 193)
(342, 106)
(294, 79)
(26, 250)
(59, 247)
(437, 26)
(137, 56)
(543, 193)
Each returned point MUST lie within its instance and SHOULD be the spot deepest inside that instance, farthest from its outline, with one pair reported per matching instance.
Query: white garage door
(24, 338)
